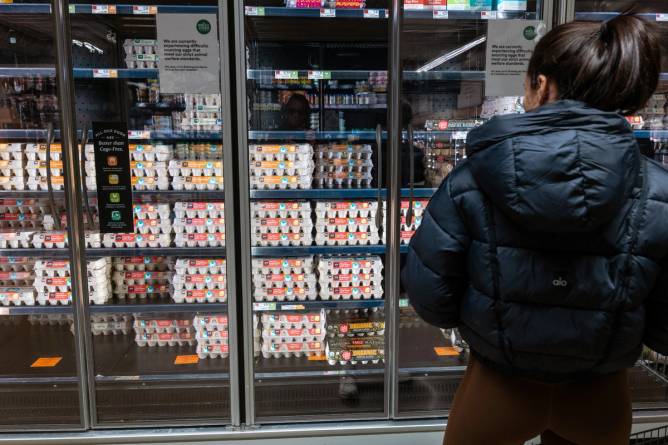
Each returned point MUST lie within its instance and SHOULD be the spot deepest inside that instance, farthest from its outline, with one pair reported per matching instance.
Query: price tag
(293, 307)
(103, 9)
(446, 351)
(46, 362)
(105, 74)
(286, 75)
(317, 358)
(254, 11)
(186, 360)
(144, 10)
(139, 134)
(319, 75)
(6, 2)
(72, 9)
(327, 13)
(264, 306)
(662, 17)
(403, 302)
(460, 135)
(488, 15)
(440, 15)
(372, 13)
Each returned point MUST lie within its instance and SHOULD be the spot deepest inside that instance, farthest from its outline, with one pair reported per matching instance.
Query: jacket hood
(563, 167)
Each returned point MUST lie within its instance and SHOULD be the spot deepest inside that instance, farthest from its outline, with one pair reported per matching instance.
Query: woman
(548, 249)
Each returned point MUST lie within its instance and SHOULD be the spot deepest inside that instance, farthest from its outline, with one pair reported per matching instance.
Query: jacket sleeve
(656, 313)
(434, 275)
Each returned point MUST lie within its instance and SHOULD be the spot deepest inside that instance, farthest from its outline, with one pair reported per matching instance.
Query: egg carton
(199, 151)
(341, 265)
(356, 350)
(16, 278)
(347, 239)
(281, 182)
(339, 165)
(22, 221)
(38, 168)
(53, 298)
(355, 324)
(37, 152)
(11, 167)
(290, 280)
(153, 226)
(199, 296)
(141, 291)
(281, 168)
(296, 265)
(41, 183)
(415, 223)
(135, 64)
(198, 183)
(15, 240)
(419, 206)
(280, 152)
(343, 180)
(192, 266)
(50, 319)
(199, 225)
(200, 239)
(211, 322)
(352, 293)
(199, 210)
(52, 284)
(285, 294)
(293, 320)
(165, 339)
(151, 211)
(330, 225)
(282, 239)
(199, 281)
(141, 263)
(17, 296)
(13, 151)
(141, 277)
(274, 209)
(111, 327)
(213, 351)
(49, 240)
(329, 281)
(295, 349)
(110, 240)
(212, 337)
(297, 335)
(346, 209)
(195, 168)
(150, 324)
(17, 264)
(10, 205)
(150, 183)
(52, 268)
(337, 150)
(406, 236)
(13, 183)
(281, 225)
(140, 46)
(148, 152)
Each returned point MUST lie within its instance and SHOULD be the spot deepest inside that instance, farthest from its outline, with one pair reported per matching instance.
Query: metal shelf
(317, 250)
(318, 304)
(28, 252)
(135, 135)
(141, 9)
(468, 15)
(601, 16)
(193, 252)
(114, 73)
(267, 75)
(25, 8)
(353, 135)
(251, 11)
(336, 193)
(162, 305)
(35, 310)
(444, 75)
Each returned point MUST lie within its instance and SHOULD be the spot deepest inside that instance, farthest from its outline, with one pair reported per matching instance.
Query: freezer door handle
(84, 186)
(49, 185)
(379, 148)
(411, 175)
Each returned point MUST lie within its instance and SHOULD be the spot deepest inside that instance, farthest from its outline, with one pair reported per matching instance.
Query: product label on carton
(458, 5)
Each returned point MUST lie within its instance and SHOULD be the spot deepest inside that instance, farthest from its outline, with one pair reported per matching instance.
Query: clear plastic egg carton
(141, 291)
(11, 167)
(151, 152)
(300, 182)
(213, 351)
(53, 298)
(13, 183)
(13, 151)
(282, 239)
(336, 265)
(192, 167)
(199, 282)
(274, 209)
(362, 224)
(333, 151)
(355, 323)
(17, 296)
(111, 324)
(280, 152)
(151, 211)
(355, 350)
(14, 239)
(199, 151)
(192, 266)
(37, 152)
(346, 209)
(52, 268)
(111, 240)
(352, 293)
(285, 293)
(141, 264)
(293, 320)
(344, 180)
(294, 349)
(49, 240)
(16, 278)
(296, 265)
(199, 225)
(347, 239)
(199, 296)
(165, 339)
(297, 335)
(199, 210)
(38, 168)
(199, 240)
(218, 322)
(50, 319)
(137, 277)
(190, 183)
(159, 226)
(40, 183)
(281, 225)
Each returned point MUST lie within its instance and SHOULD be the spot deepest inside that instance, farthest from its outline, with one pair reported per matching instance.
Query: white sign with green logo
(510, 44)
(188, 53)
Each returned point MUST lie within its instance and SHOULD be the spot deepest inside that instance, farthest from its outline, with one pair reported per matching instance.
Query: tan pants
(493, 409)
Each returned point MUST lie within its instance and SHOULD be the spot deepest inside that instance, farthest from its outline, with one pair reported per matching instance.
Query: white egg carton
(343, 180)
(199, 210)
(263, 280)
(280, 152)
(165, 339)
(294, 349)
(406, 236)
(150, 324)
(52, 284)
(50, 319)
(274, 209)
(10, 205)
(282, 239)
(296, 265)
(339, 165)
(347, 239)
(111, 324)
(153, 226)
(111, 240)
(346, 225)
(343, 151)
(212, 337)
(285, 294)
(38, 168)
(13, 151)
(281, 182)
(199, 296)
(191, 266)
(150, 183)
(17, 296)
(199, 151)
(198, 183)
(16, 277)
(213, 351)
(50, 240)
(149, 169)
(53, 298)
(15, 240)
(199, 225)
(17, 264)
(419, 206)
(13, 183)
(341, 265)
(200, 240)
(199, 282)
(151, 211)
(41, 183)
(141, 263)
(52, 268)
(140, 291)
(149, 152)
(281, 225)
(211, 322)
(346, 209)
(415, 223)
(37, 152)
(195, 168)
(349, 279)
(133, 278)
(293, 320)
(297, 335)
(11, 167)
(352, 293)
(282, 168)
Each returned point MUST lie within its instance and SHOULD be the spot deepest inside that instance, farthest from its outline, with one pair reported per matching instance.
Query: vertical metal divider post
(73, 201)
(229, 194)
(392, 219)
(547, 13)
(566, 11)
(244, 234)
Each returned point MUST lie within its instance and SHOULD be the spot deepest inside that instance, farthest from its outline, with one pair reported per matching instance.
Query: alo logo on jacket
(560, 279)
(559, 282)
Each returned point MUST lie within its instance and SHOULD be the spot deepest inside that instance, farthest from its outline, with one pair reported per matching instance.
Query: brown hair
(612, 66)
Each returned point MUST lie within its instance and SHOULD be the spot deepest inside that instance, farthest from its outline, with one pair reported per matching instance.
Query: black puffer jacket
(548, 247)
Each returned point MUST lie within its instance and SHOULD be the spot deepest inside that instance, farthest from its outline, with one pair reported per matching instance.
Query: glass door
(151, 88)
(649, 379)
(444, 95)
(313, 116)
(39, 371)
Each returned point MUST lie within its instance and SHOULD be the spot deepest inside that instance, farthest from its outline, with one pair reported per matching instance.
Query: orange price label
(443, 351)
(317, 358)
(46, 362)
(186, 360)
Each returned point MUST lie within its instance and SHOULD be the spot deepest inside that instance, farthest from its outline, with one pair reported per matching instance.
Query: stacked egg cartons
(284, 279)
(211, 333)
(140, 53)
(199, 280)
(202, 113)
(343, 166)
(19, 219)
(408, 230)
(440, 159)
(281, 223)
(111, 324)
(344, 223)
(355, 350)
(141, 277)
(355, 336)
(11, 167)
(195, 174)
(292, 334)
(52, 320)
(280, 167)
(53, 283)
(199, 224)
(164, 330)
(152, 228)
(16, 279)
(350, 278)
(355, 322)
(36, 166)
